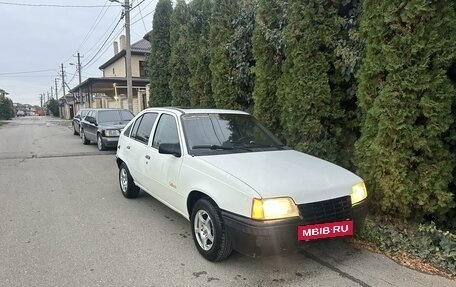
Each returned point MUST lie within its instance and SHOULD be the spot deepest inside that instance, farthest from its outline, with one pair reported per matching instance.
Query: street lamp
(126, 7)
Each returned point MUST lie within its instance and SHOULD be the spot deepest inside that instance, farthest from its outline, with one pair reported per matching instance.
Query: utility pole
(41, 100)
(63, 80)
(128, 56)
(52, 92)
(56, 91)
(127, 7)
(80, 78)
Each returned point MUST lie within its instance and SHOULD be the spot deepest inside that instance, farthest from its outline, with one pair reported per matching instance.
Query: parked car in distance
(20, 114)
(236, 183)
(103, 126)
(77, 120)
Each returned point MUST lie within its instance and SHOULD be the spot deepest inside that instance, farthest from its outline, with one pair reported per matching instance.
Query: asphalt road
(64, 222)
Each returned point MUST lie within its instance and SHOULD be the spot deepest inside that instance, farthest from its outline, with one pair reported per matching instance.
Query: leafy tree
(179, 41)
(405, 96)
(231, 30)
(308, 108)
(199, 54)
(268, 50)
(53, 106)
(159, 74)
(6, 108)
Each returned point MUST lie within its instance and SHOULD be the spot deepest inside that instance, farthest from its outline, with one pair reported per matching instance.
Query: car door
(91, 129)
(162, 170)
(137, 146)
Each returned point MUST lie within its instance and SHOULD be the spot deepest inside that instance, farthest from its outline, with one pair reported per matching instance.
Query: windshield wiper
(213, 147)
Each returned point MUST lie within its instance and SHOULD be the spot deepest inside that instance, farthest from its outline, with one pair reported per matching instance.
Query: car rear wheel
(209, 231)
(100, 143)
(83, 137)
(127, 185)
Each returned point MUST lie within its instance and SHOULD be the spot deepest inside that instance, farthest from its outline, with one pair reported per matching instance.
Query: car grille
(331, 210)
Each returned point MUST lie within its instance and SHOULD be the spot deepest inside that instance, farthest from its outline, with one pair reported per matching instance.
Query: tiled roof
(142, 47)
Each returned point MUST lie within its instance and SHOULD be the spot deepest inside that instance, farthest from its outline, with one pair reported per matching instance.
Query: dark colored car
(103, 126)
(77, 120)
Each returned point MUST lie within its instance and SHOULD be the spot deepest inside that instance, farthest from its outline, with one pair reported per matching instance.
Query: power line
(103, 52)
(102, 36)
(95, 24)
(143, 17)
(102, 46)
(50, 5)
(27, 72)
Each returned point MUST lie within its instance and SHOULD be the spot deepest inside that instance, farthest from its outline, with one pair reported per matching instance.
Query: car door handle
(147, 157)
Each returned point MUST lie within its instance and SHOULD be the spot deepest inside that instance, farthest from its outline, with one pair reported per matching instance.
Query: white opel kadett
(239, 186)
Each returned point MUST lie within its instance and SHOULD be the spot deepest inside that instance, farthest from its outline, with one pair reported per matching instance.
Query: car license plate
(325, 230)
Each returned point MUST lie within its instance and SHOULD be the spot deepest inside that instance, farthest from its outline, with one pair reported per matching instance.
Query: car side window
(135, 126)
(145, 127)
(127, 131)
(166, 131)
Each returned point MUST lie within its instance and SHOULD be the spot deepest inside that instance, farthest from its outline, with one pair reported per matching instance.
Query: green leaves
(424, 241)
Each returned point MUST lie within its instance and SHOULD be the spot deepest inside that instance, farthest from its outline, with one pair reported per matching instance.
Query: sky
(37, 36)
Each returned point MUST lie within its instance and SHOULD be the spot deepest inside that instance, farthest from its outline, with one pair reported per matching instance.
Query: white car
(237, 184)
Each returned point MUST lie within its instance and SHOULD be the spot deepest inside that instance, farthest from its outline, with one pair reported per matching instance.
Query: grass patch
(419, 242)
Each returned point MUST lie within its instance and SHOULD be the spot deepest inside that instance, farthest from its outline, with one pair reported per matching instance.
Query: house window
(143, 72)
(113, 72)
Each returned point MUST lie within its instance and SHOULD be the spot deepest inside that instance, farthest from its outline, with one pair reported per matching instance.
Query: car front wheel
(75, 132)
(83, 137)
(127, 186)
(209, 231)
(100, 143)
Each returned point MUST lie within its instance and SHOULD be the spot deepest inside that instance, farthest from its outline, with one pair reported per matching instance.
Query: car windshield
(114, 116)
(84, 113)
(226, 133)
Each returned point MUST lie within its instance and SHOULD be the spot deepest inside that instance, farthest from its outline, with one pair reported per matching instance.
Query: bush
(6, 108)
(53, 106)
(424, 241)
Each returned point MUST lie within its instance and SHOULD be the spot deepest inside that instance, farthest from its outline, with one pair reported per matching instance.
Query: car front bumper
(260, 238)
(110, 141)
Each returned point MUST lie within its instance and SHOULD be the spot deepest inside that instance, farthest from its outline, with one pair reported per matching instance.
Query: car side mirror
(170, 148)
(92, 121)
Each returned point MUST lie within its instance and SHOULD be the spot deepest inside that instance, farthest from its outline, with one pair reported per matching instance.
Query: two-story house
(110, 90)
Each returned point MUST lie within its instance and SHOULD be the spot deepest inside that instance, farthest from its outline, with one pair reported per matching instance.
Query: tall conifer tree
(179, 41)
(308, 109)
(405, 95)
(199, 54)
(159, 74)
(231, 31)
(268, 50)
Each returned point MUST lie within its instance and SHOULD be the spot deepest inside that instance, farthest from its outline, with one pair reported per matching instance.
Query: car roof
(183, 111)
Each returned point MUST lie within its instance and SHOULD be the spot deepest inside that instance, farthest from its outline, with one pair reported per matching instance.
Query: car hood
(112, 125)
(287, 173)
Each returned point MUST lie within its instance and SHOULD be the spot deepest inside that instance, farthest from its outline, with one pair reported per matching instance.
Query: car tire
(75, 132)
(209, 231)
(100, 143)
(83, 138)
(127, 185)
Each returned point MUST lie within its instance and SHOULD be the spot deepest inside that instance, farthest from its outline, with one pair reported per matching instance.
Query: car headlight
(274, 208)
(111, 133)
(359, 193)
